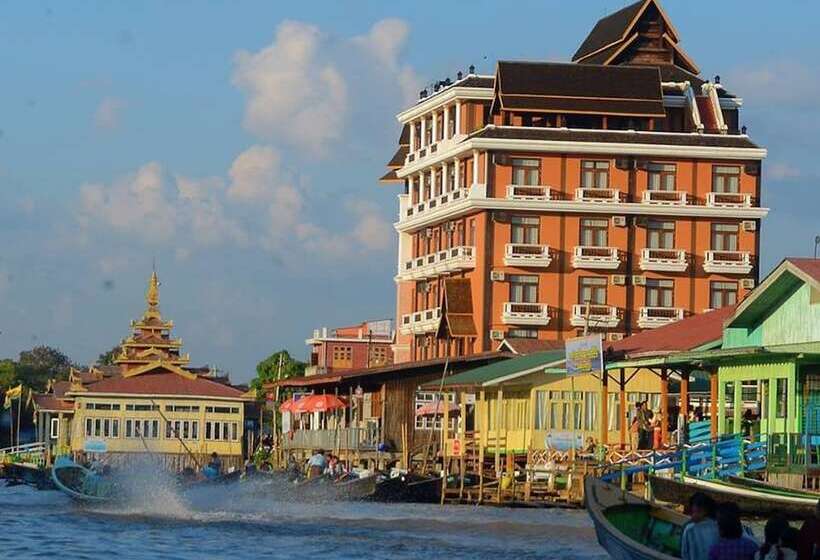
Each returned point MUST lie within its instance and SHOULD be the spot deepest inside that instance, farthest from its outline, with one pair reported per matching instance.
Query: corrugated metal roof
(498, 370)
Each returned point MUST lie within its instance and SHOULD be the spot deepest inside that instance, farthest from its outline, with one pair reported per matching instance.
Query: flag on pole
(11, 394)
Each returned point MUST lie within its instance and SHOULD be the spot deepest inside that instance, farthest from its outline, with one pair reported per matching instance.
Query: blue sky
(238, 144)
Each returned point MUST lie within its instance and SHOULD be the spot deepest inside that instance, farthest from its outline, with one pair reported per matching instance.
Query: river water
(251, 523)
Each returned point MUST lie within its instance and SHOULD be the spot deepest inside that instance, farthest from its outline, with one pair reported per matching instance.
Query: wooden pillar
(664, 406)
(604, 408)
(684, 393)
(624, 411)
(713, 401)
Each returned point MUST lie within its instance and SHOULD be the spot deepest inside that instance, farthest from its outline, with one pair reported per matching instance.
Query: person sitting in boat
(788, 542)
(734, 544)
(214, 468)
(808, 540)
(317, 464)
(772, 548)
(702, 531)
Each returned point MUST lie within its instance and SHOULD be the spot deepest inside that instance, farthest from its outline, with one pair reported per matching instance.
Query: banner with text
(584, 355)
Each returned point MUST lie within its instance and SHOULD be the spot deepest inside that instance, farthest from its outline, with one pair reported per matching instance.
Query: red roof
(809, 266)
(682, 335)
(48, 402)
(163, 383)
(58, 388)
(531, 345)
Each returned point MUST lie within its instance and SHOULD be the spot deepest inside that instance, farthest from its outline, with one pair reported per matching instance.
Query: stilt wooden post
(604, 408)
(713, 401)
(624, 411)
(683, 417)
(483, 411)
(664, 406)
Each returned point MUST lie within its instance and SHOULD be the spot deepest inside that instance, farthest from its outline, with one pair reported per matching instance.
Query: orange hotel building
(618, 190)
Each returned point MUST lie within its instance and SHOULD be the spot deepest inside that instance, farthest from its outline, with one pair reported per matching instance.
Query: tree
(37, 366)
(107, 358)
(268, 370)
(8, 374)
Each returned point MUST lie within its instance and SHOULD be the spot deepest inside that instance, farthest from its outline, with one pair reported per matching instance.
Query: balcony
(442, 202)
(665, 198)
(607, 258)
(664, 260)
(652, 317)
(600, 316)
(529, 192)
(421, 321)
(446, 261)
(728, 262)
(526, 255)
(536, 314)
(728, 200)
(604, 196)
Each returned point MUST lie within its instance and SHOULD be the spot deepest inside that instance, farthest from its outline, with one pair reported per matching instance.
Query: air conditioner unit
(638, 280)
(615, 336)
(428, 232)
(496, 276)
(497, 335)
(747, 283)
(618, 280)
(749, 225)
(619, 221)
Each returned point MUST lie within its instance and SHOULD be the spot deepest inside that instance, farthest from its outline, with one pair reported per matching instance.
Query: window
(524, 230)
(222, 409)
(342, 357)
(522, 333)
(782, 403)
(182, 429)
(724, 237)
(54, 432)
(526, 172)
(89, 427)
(725, 179)
(523, 289)
(723, 294)
(660, 235)
(142, 407)
(595, 174)
(432, 422)
(555, 410)
(592, 289)
(96, 427)
(661, 176)
(141, 428)
(594, 232)
(541, 410)
(181, 408)
(378, 355)
(221, 431)
(660, 293)
(101, 406)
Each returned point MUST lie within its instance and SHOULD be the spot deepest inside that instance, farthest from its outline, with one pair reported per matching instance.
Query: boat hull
(409, 488)
(71, 479)
(751, 501)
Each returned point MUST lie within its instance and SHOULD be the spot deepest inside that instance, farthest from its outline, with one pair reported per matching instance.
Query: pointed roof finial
(152, 295)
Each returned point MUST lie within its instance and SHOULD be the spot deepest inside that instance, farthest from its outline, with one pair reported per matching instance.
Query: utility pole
(816, 243)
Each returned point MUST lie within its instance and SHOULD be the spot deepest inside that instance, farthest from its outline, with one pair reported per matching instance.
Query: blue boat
(630, 528)
(83, 484)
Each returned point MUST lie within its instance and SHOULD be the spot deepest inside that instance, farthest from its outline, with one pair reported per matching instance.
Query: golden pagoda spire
(152, 295)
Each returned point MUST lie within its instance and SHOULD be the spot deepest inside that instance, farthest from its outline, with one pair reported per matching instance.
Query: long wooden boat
(409, 488)
(323, 488)
(768, 487)
(82, 484)
(751, 501)
(630, 528)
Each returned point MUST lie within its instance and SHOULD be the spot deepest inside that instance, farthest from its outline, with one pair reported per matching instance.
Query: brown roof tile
(49, 402)
(531, 345)
(809, 266)
(608, 29)
(550, 104)
(163, 383)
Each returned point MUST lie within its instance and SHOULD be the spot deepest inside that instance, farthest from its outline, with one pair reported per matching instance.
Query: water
(226, 522)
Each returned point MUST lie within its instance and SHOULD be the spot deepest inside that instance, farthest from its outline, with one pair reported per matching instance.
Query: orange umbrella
(436, 409)
(287, 406)
(318, 403)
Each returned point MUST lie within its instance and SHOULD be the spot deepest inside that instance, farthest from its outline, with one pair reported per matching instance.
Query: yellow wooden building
(151, 403)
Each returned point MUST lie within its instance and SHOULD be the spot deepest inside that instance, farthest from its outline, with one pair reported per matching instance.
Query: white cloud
(787, 82)
(294, 93)
(385, 42)
(781, 171)
(371, 231)
(255, 174)
(200, 204)
(109, 113)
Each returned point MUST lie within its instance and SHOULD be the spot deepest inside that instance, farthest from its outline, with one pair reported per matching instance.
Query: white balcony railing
(443, 201)
(651, 317)
(666, 198)
(525, 314)
(728, 200)
(527, 255)
(454, 259)
(421, 321)
(728, 262)
(600, 316)
(607, 258)
(664, 260)
(529, 192)
(587, 194)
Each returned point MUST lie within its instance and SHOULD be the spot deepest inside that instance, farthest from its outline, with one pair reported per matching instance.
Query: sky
(238, 145)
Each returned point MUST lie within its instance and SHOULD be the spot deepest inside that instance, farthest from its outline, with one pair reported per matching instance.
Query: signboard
(95, 446)
(457, 447)
(584, 355)
(564, 441)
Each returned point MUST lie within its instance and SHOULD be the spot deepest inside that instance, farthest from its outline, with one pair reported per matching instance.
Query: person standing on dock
(702, 531)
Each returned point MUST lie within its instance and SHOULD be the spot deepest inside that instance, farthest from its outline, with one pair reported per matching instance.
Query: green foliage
(35, 368)
(279, 365)
(107, 359)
